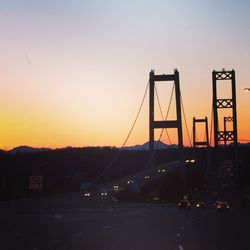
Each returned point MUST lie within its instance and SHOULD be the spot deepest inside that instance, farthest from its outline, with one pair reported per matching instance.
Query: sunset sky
(73, 72)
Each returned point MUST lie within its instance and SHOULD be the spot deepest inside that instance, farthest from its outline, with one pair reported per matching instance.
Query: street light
(246, 89)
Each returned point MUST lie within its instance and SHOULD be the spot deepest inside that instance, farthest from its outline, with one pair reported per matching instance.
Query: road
(127, 227)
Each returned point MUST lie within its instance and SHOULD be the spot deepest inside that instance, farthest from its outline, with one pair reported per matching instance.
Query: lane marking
(57, 216)
(178, 234)
(78, 235)
(181, 247)
(106, 227)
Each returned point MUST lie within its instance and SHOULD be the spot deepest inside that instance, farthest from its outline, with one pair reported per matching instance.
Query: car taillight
(227, 206)
(197, 205)
(218, 206)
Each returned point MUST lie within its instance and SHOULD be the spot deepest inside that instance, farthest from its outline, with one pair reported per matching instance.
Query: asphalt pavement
(127, 227)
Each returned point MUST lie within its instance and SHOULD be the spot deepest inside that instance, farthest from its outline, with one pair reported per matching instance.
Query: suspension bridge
(153, 179)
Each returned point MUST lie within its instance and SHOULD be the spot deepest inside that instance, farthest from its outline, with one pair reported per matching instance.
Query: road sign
(35, 182)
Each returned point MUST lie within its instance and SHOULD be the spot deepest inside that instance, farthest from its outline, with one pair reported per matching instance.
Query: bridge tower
(177, 124)
(224, 136)
(229, 136)
(204, 143)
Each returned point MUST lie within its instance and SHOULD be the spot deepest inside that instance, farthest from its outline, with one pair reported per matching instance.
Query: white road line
(78, 235)
(178, 234)
(181, 247)
(57, 216)
(106, 227)
(182, 227)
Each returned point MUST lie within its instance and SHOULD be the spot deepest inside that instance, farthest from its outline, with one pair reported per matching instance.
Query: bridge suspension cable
(125, 141)
(159, 104)
(185, 121)
(168, 110)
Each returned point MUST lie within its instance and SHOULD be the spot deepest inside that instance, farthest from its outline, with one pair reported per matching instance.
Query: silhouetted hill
(64, 170)
(159, 145)
(245, 144)
(27, 149)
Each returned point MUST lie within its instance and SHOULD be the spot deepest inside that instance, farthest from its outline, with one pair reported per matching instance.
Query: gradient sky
(73, 72)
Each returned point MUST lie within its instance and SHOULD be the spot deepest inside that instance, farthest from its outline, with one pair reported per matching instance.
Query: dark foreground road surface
(127, 227)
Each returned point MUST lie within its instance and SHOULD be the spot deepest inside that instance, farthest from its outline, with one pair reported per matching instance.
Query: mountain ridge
(144, 147)
(158, 145)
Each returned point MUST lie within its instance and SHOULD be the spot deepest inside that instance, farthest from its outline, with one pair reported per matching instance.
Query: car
(104, 193)
(222, 206)
(200, 205)
(216, 203)
(184, 204)
(87, 194)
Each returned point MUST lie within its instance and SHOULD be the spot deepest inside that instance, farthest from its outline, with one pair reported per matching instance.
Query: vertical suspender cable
(159, 104)
(185, 121)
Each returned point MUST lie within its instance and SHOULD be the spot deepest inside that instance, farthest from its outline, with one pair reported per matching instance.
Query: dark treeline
(64, 170)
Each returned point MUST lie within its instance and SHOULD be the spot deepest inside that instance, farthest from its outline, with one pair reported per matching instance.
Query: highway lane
(218, 231)
(128, 227)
